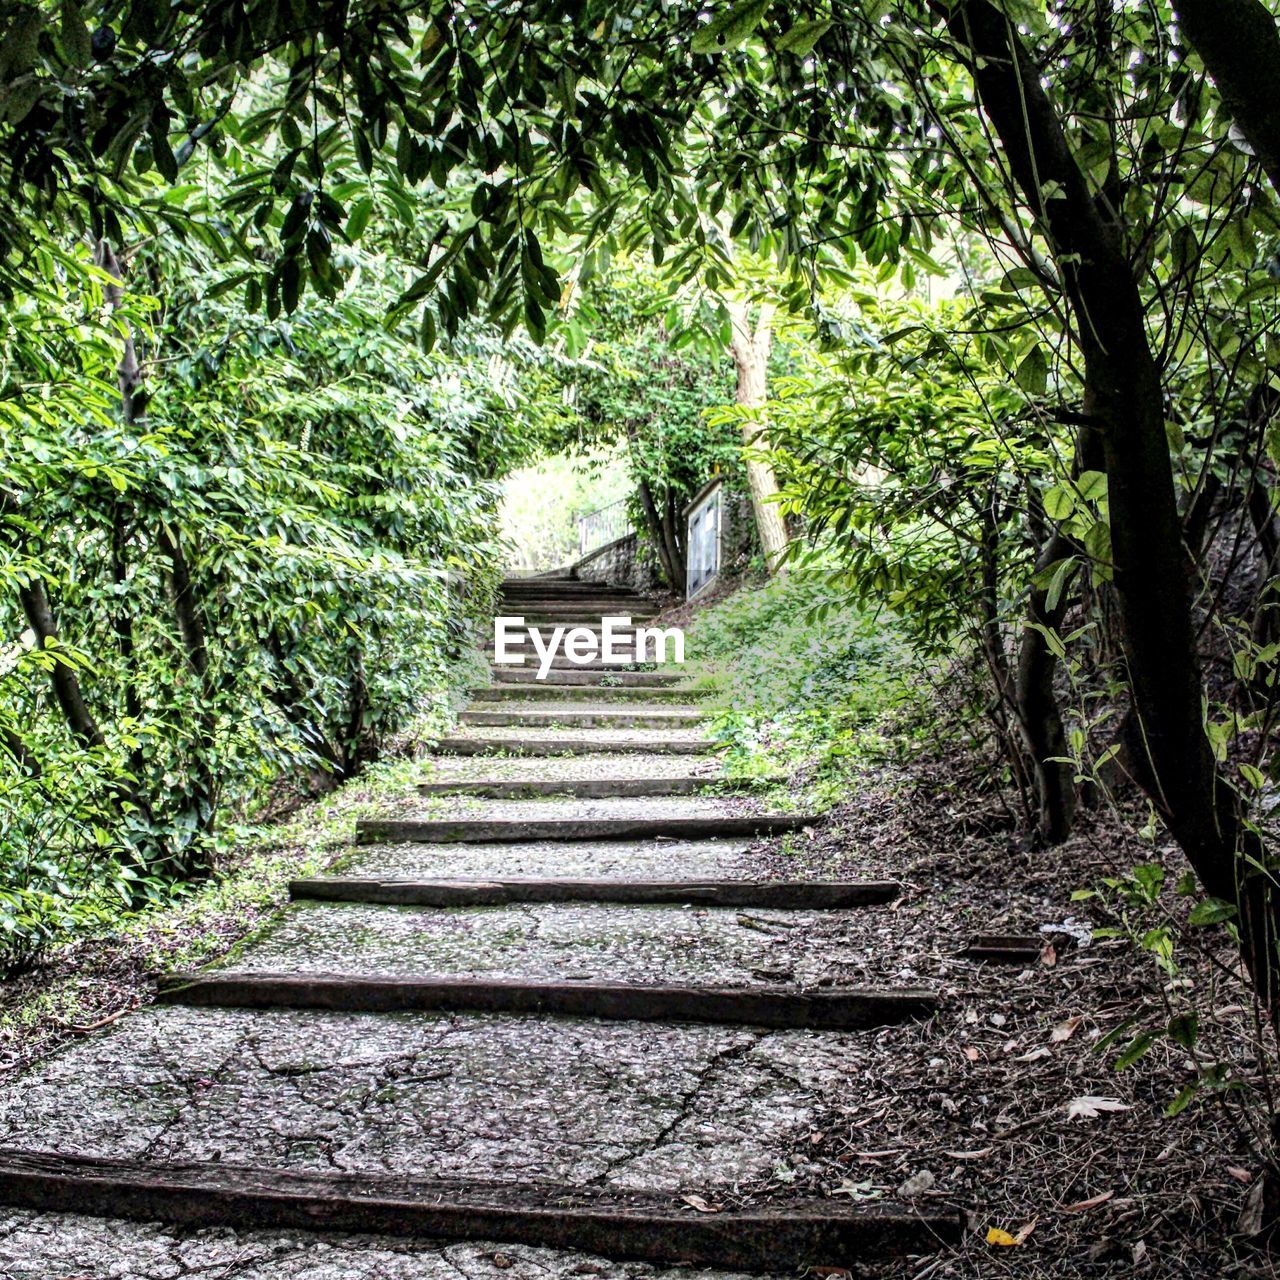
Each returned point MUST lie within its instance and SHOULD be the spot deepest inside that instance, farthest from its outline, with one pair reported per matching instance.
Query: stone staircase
(553, 1001)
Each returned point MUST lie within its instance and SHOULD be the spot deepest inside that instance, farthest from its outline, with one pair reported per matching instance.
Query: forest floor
(1002, 1104)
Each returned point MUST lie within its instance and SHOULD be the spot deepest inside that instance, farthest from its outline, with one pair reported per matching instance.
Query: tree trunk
(658, 534)
(66, 687)
(1239, 45)
(1165, 732)
(203, 788)
(750, 349)
(671, 531)
(1039, 716)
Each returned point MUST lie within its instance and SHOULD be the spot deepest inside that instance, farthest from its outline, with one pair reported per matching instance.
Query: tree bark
(750, 349)
(1039, 716)
(658, 534)
(1165, 732)
(1239, 45)
(66, 687)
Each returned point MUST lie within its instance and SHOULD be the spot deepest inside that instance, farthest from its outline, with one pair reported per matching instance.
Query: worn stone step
(571, 718)
(561, 663)
(802, 895)
(783, 1008)
(545, 691)
(568, 589)
(595, 676)
(662, 944)
(473, 831)
(594, 788)
(555, 744)
(585, 610)
(548, 859)
(617, 1106)
(583, 768)
(780, 1237)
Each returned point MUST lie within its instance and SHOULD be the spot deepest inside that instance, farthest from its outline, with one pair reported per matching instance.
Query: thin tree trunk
(1039, 715)
(672, 533)
(657, 534)
(750, 349)
(66, 687)
(122, 623)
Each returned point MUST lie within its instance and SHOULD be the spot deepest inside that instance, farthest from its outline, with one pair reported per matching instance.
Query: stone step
(639, 827)
(575, 1106)
(561, 746)
(595, 676)
(700, 944)
(802, 895)
(570, 718)
(551, 859)
(562, 588)
(781, 1237)
(579, 609)
(561, 663)
(827, 1009)
(594, 788)
(545, 691)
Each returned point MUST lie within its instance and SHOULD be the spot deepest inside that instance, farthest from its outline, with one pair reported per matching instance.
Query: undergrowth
(798, 681)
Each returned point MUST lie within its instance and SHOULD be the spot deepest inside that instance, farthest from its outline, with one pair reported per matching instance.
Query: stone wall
(620, 563)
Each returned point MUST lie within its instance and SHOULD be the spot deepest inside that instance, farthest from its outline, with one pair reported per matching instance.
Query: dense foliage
(802, 678)
(249, 573)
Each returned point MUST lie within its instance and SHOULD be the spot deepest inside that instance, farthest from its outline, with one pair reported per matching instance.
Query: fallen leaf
(1239, 1174)
(1092, 1203)
(995, 1235)
(866, 1190)
(917, 1185)
(1065, 1030)
(1251, 1217)
(972, 1054)
(969, 1155)
(1090, 1108)
(1025, 1230)
(697, 1202)
(1034, 1056)
(1049, 955)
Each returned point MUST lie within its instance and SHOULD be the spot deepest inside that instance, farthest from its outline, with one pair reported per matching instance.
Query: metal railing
(599, 528)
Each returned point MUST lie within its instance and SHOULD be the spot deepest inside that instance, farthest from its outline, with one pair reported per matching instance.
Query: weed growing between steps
(87, 979)
(797, 678)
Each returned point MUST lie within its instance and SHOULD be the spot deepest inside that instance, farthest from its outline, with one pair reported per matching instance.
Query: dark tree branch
(1239, 44)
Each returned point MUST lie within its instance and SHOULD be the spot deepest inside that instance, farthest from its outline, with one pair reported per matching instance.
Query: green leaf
(801, 39)
(729, 29)
(1136, 1049)
(76, 43)
(358, 219)
(1059, 502)
(1184, 1028)
(1033, 373)
(1211, 911)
